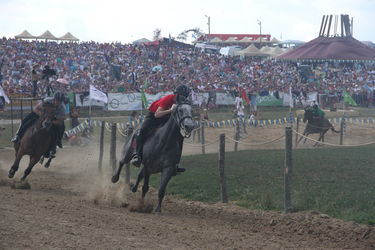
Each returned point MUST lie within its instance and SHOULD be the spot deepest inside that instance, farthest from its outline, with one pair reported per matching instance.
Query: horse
(35, 142)
(316, 126)
(161, 151)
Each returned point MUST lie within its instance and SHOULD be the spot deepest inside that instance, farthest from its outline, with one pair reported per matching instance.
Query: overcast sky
(126, 21)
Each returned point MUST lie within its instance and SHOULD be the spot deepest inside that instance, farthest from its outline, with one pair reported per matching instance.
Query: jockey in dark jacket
(58, 126)
(158, 112)
(318, 114)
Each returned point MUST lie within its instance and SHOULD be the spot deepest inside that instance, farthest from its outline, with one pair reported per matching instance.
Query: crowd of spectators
(114, 67)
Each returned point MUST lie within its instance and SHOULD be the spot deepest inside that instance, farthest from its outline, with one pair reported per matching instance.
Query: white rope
(331, 144)
(255, 144)
(200, 145)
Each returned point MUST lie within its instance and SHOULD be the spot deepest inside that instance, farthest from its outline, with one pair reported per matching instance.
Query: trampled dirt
(72, 206)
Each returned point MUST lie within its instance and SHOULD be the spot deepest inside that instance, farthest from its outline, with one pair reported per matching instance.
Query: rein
(178, 120)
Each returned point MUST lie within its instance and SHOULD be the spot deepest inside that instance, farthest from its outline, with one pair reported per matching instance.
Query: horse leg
(139, 178)
(165, 177)
(320, 138)
(116, 177)
(48, 163)
(15, 166)
(145, 186)
(33, 161)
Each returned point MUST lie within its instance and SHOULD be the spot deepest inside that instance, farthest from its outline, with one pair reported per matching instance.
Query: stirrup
(136, 161)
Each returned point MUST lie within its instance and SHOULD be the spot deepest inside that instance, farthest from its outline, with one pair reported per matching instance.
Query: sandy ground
(72, 206)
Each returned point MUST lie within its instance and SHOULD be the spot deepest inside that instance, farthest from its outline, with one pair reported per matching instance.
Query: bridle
(179, 120)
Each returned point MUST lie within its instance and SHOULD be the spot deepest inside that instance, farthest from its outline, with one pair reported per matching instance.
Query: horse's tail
(334, 130)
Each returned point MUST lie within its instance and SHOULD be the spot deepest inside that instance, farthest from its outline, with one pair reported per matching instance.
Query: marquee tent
(68, 37)
(25, 35)
(48, 36)
(322, 48)
(250, 51)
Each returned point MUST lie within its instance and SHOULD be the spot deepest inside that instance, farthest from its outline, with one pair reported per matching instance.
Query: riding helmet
(60, 97)
(182, 90)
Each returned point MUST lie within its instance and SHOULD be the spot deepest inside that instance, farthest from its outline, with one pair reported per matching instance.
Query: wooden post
(202, 139)
(288, 171)
(341, 132)
(236, 135)
(297, 128)
(223, 180)
(112, 153)
(199, 131)
(101, 147)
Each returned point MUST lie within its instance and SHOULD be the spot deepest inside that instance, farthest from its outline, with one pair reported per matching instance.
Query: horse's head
(183, 117)
(48, 113)
(308, 116)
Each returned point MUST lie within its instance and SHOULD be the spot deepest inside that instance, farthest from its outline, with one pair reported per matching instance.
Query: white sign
(85, 101)
(97, 94)
(131, 101)
(225, 99)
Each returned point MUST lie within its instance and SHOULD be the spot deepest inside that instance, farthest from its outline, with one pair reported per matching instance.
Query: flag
(97, 95)
(194, 98)
(144, 99)
(349, 99)
(2, 93)
(290, 97)
(245, 99)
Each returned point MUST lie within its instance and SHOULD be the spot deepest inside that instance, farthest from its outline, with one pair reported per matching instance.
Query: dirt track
(71, 206)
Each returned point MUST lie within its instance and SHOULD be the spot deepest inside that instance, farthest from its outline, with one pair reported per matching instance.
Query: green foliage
(335, 181)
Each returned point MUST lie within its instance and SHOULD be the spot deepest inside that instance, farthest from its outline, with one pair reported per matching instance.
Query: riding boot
(137, 157)
(25, 124)
(180, 170)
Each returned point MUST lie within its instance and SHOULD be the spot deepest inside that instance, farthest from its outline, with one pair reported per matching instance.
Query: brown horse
(35, 142)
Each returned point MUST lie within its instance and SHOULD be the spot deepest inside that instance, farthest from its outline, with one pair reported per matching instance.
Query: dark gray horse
(161, 151)
(315, 126)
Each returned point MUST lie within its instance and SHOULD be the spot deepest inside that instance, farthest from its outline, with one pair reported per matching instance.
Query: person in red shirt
(157, 115)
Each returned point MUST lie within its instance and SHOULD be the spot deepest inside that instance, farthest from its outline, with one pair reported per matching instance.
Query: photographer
(46, 74)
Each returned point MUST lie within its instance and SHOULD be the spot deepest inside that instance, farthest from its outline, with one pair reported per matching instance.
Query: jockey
(157, 115)
(58, 126)
(318, 114)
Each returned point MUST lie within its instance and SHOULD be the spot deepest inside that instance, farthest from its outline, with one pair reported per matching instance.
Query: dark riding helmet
(182, 90)
(60, 97)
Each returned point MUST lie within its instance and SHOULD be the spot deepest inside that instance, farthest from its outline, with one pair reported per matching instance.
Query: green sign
(269, 100)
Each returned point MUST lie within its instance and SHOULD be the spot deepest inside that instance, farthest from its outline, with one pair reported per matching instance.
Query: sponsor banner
(225, 99)
(301, 99)
(84, 101)
(131, 101)
(269, 100)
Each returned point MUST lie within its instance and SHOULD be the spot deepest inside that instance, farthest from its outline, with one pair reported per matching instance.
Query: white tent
(68, 37)
(25, 35)
(250, 51)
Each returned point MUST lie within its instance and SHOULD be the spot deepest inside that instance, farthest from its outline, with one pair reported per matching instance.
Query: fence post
(223, 179)
(341, 132)
(202, 139)
(112, 153)
(127, 166)
(11, 115)
(288, 170)
(297, 129)
(199, 131)
(101, 146)
(236, 135)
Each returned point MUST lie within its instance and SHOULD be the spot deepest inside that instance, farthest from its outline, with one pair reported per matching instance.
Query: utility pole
(209, 25)
(260, 32)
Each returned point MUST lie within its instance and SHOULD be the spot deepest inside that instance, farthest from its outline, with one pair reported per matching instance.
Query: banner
(2, 93)
(269, 100)
(96, 94)
(131, 101)
(85, 101)
(224, 99)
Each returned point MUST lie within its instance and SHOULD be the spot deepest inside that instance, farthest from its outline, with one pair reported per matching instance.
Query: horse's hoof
(115, 178)
(158, 212)
(46, 165)
(11, 173)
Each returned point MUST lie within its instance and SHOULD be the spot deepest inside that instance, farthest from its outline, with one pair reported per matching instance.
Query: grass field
(336, 181)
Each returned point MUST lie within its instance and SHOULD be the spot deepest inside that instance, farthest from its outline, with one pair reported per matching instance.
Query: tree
(195, 32)
(157, 34)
